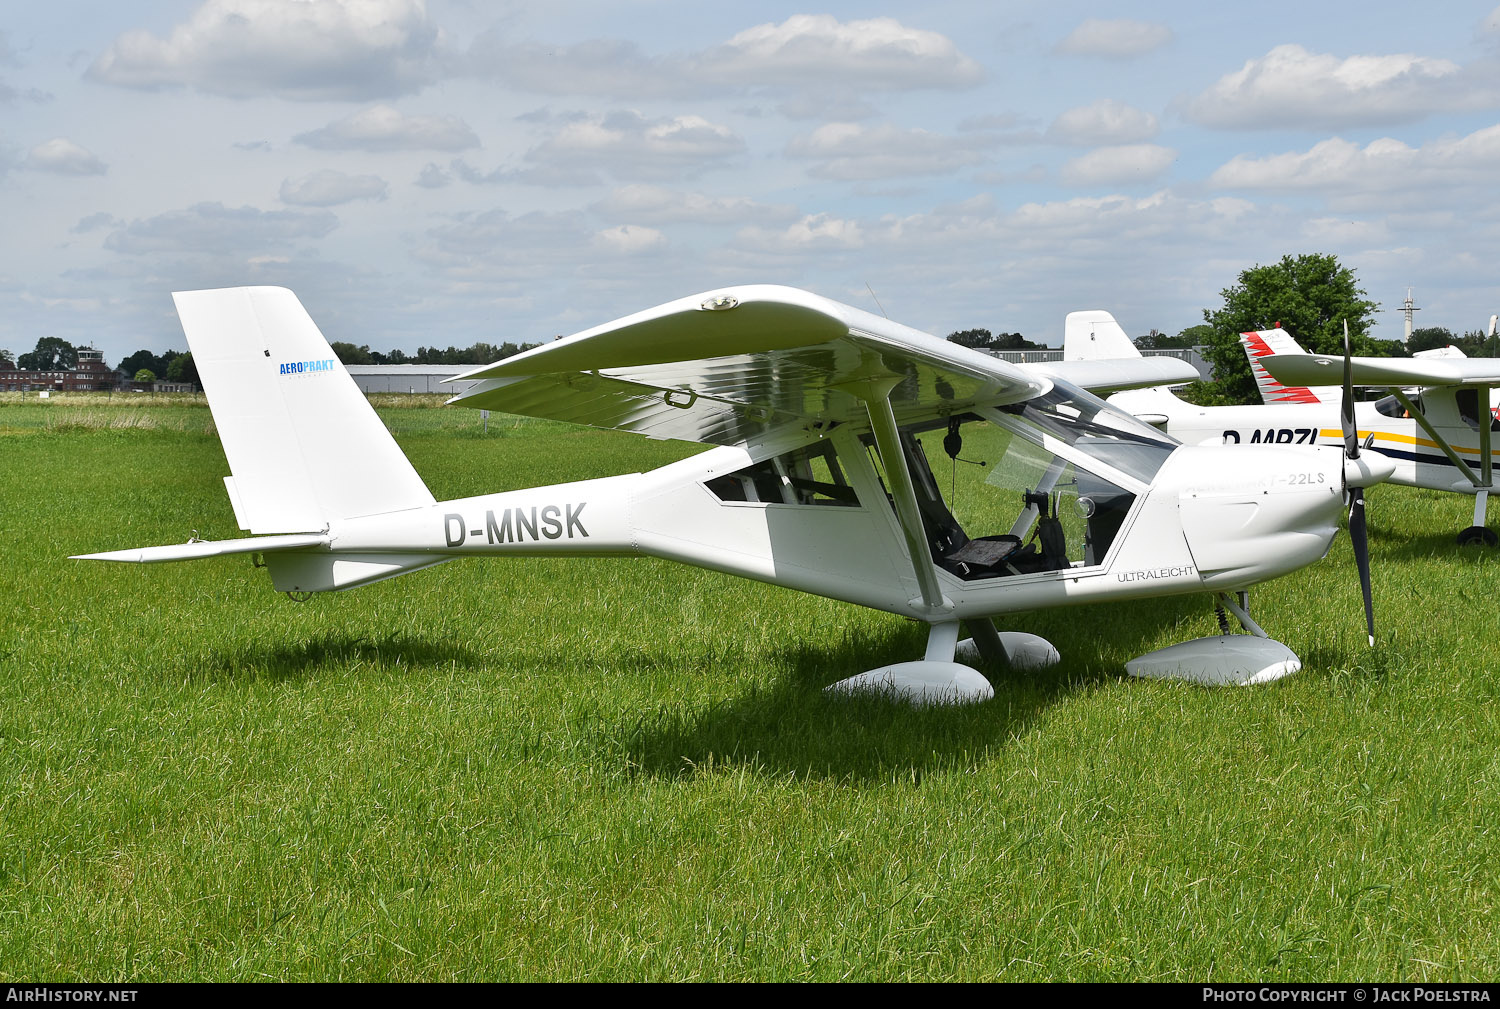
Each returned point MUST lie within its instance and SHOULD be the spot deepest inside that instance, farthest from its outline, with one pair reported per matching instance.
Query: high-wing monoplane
(1435, 424)
(832, 428)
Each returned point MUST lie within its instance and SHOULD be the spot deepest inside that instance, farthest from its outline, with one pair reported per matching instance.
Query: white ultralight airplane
(1428, 426)
(826, 421)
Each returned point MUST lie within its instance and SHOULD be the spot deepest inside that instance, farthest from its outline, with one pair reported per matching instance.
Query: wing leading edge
(724, 366)
(1324, 369)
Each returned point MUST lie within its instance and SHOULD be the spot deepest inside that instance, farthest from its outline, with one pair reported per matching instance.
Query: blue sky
(446, 172)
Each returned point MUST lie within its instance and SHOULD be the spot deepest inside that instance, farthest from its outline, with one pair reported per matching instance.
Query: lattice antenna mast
(1407, 308)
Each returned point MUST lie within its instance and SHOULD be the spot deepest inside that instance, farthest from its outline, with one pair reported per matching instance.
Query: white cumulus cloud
(879, 53)
(630, 239)
(329, 188)
(61, 156)
(643, 202)
(1103, 122)
(1125, 164)
(1349, 172)
(1118, 39)
(628, 146)
(215, 228)
(1292, 86)
(851, 151)
(309, 50)
(383, 128)
(816, 231)
(806, 51)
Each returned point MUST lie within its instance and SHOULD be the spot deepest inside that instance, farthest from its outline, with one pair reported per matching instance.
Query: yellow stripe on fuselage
(1399, 439)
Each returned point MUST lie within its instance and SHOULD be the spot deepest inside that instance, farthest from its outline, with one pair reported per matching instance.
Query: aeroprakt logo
(306, 367)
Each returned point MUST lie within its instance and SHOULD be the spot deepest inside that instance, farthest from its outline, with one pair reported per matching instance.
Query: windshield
(1084, 421)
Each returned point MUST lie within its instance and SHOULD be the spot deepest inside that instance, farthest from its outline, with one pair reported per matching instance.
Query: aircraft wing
(1105, 377)
(1404, 372)
(724, 366)
(1098, 355)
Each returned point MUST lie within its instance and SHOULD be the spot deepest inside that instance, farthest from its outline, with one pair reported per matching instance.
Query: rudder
(1265, 342)
(1095, 336)
(303, 443)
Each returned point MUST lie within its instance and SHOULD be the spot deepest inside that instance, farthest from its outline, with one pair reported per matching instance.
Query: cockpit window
(1000, 495)
(1390, 406)
(806, 476)
(1467, 401)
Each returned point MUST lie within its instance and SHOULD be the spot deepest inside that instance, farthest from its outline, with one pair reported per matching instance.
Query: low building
(408, 378)
(1040, 355)
(91, 374)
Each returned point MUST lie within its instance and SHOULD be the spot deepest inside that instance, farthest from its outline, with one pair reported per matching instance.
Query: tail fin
(1265, 342)
(303, 443)
(1095, 336)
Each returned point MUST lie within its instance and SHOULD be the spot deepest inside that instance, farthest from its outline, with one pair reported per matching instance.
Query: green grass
(595, 769)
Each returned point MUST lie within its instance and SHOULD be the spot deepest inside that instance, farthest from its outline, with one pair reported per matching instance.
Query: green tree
(145, 376)
(157, 364)
(1311, 296)
(972, 338)
(7, 359)
(52, 353)
(348, 353)
(1430, 338)
(1193, 336)
(1477, 343)
(1013, 341)
(182, 369)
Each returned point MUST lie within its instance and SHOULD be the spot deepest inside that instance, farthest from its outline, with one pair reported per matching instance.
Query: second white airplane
(1428, 425)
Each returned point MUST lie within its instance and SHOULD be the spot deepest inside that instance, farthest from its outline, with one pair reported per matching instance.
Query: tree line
(174, 366)
(479, 353)
(56, 354)
(1311, 296)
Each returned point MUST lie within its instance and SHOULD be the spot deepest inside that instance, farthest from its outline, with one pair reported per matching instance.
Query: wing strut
(1485, 420)
(876, 396)
(1442, 443)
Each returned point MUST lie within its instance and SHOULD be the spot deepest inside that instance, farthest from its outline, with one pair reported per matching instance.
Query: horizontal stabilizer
(198, 549)
(1104, 377)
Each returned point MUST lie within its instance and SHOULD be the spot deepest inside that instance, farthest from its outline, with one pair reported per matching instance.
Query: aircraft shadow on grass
(295, 660)
(792, 727)
(1395, 548)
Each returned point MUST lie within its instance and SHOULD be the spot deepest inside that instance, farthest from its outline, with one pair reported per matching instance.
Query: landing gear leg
(1013, 651)
(986, 641)
(1477, 533)
(936, 679)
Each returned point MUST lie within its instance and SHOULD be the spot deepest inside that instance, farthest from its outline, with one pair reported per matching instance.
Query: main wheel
(1476, 535)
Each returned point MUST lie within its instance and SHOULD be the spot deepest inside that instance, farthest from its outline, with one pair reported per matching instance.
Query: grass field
(581, 769)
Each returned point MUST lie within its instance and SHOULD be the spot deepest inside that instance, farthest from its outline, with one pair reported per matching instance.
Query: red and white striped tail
(1265, 342)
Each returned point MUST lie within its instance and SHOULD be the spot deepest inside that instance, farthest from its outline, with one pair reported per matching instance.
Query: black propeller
(1357, 532)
